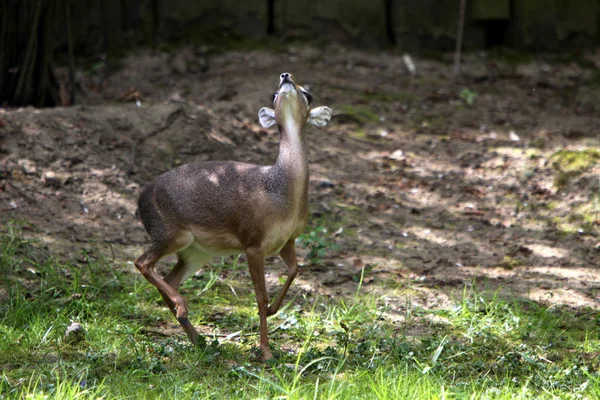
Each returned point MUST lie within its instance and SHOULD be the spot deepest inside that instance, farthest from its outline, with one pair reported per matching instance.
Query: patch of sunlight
(566, 274)
(547, 251)
(509, 151)
(562, 296)
(434, 236)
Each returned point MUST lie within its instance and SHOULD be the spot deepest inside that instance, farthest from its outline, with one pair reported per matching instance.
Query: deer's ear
(319, 116)
(266, 117)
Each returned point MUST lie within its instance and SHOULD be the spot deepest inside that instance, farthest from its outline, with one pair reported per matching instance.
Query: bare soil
(426, 183)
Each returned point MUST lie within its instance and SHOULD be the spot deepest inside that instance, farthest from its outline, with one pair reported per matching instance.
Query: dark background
(38, 35)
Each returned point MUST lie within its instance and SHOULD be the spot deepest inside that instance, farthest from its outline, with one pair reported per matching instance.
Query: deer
(217, 208)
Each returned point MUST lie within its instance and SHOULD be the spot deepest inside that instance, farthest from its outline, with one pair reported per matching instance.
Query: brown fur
(207, 209)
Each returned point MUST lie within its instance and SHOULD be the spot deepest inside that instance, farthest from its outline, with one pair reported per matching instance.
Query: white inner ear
(319, 116)
(266, 117)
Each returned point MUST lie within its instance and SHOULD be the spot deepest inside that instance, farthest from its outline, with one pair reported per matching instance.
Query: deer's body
(217, 208)
(225, 208)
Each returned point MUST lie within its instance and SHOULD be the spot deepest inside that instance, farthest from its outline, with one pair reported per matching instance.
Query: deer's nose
(286, 78)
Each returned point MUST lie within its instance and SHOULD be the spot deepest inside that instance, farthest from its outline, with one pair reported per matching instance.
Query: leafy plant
(317, 242)
(468, 96)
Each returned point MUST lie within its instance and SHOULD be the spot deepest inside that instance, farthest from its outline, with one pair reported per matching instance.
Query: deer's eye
(309, 97)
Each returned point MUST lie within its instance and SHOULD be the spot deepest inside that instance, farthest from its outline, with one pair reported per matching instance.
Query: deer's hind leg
(175, 301)
(288, 254)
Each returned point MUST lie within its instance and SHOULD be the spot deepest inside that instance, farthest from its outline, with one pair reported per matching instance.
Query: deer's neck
(290, 172)
(293, 154)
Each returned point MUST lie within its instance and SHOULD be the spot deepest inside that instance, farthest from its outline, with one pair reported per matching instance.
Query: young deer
(218, 208)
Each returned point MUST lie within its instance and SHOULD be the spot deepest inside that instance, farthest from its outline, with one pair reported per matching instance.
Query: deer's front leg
(256, 262)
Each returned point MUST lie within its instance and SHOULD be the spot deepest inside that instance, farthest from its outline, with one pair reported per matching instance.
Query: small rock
(29, 167)
(74, 333)
(52, 179)
(176, 98)
(49, 178)
(397, 155)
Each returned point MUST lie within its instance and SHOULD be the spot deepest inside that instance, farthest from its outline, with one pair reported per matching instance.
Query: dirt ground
(427, 182)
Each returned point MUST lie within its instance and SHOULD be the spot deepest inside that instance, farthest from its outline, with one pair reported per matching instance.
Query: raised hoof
(190, 331)
(183, 321)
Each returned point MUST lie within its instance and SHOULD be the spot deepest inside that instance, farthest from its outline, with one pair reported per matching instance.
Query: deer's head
(292, 106)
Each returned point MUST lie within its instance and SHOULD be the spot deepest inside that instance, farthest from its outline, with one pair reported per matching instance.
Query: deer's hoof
(267, 357)
(271, 311)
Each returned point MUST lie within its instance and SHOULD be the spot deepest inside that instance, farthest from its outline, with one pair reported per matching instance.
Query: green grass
(483, 347)
(570, 163)
(573, 160)
(358, 114)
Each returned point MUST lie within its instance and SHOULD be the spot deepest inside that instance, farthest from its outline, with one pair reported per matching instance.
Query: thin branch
(45, 50)
(171, 118)
(459, 37)
(70, 50)
(3, 48)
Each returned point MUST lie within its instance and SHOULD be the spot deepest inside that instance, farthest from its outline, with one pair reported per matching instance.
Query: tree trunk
(26, 53)
(155, 22)
(389, 18)
(270, 17)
